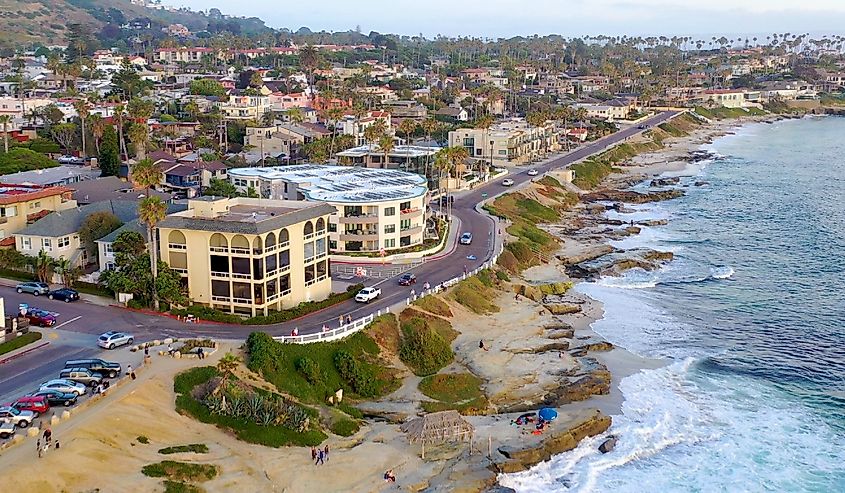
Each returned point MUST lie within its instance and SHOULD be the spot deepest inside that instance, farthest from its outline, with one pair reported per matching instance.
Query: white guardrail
(356, 325)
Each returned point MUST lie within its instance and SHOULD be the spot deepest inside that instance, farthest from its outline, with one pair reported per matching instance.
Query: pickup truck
(367, 295)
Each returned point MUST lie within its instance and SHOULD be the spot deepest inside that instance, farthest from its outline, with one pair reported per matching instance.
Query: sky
(506, 18)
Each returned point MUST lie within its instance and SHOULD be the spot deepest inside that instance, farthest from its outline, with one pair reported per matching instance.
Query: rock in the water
(608, 444)
(661, 256)
(652, 222)
(665, 182)
(701, 183)
(631, 197)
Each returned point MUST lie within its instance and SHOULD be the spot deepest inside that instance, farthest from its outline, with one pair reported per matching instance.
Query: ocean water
(751, 318)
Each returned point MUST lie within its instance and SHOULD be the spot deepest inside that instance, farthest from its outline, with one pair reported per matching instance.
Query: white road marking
(69, 321)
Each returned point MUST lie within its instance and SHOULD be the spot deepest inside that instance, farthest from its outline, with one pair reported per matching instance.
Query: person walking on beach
(314, 454)
(389, 477)
(320, 458)
(481, 345)
(326, 452)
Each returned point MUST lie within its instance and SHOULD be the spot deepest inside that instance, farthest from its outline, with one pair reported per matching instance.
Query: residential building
(609, 111)
(729, 98)
(375, 208)
(356, 126)
(512, 141)
(110, 188)
(192, 176)
(283, 139)
(406, 109)
(57, 233)
(53, 177)
(21, 205)
(243, 107)
(183, 54)
(456, 113)
(249, 256)
(413, 159)
(284, 102)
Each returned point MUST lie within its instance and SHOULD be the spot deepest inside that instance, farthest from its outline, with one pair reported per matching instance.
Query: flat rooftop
(342, 184)
(246, 213)
(50, 176)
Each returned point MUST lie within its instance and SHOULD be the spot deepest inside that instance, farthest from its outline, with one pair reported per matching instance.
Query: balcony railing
(184, 272)
(316, 280)
(240, 251)
(219, 249)
(177, 246)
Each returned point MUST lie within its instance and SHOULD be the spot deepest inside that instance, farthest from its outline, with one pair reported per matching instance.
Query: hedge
(304, 308)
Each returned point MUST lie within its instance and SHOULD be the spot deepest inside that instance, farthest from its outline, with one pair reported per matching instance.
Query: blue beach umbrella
(548, 414)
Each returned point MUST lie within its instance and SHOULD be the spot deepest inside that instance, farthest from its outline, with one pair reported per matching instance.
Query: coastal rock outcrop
(665, 182)
(562, 308)
(591, 254)
(517, 459)
(652, 222)
(608, 444)
(631, 197)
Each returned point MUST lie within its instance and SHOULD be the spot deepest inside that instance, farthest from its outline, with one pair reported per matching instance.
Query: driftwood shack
(437, 428)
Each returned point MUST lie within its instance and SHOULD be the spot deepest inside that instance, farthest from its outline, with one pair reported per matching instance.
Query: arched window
(309, 228)
(283, 237)
(270, 240)
(240, 243)
(218, 241)
(176, 240)
(321, 225)
(256, 245)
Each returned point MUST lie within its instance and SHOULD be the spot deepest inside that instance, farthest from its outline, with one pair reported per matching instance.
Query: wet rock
(621, 265)
(591, 254)
(652, 222)
(630, 197)
(701, 183)
(593, 345)
(659, 256)
(608, 444)
(665, 182)
(553, 347)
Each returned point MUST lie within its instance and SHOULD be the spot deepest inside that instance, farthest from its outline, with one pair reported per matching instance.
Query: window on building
(390, 211)
(390, 243)
(64, 242)
(405, 224)
(10, 211)
(309, 251)
(332, 228)
(404, 206)
(389, 228)
(46, 243)
(34, 205)
(26, 242)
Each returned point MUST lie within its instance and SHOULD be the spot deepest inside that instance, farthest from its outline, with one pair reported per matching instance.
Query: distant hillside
(27, 22)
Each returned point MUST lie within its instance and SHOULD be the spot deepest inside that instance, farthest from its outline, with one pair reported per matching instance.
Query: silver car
(66, 386)
(113, 339)
(35, 288)
(7, 430)
(21, 419)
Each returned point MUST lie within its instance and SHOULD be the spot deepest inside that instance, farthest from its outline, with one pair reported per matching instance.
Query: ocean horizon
(748, 317)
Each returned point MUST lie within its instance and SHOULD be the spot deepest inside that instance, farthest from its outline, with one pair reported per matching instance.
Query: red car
(41, 318)
(37, 404)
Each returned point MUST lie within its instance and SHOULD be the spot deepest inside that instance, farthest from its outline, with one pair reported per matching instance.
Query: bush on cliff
(423, 349)
(474, 295)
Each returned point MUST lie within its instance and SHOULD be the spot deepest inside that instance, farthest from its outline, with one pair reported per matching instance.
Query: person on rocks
(481, 345)
(389, 477)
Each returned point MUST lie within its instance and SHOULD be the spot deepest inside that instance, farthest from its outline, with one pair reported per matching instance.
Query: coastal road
(94, 319)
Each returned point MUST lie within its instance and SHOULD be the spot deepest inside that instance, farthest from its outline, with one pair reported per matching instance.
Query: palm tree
(145, 174)
(5, 120)
(385, 142)
(333, 115)
(485, 122)
(309, 61)
(44, 265)
(192, 109)
(119, 113)
(98, 127)
(139, 135)
(69, 272)
(295, 115)
(151, 211)
(408, 127)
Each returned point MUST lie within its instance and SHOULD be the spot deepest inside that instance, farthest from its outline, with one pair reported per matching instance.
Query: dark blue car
(65, 294)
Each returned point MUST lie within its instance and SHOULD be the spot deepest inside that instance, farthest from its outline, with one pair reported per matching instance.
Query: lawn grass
(440, 325)
(345, 427)
(434, 304)
(19, 342)
(197, 448)
(180, 471)
(277, 363)
(474, 295)
(180, 487)
(271, 436)
(458, 391)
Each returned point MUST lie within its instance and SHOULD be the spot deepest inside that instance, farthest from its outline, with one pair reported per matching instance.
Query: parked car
(41, 318)
(7, 430)
(507, 182)
(21, 419)
(37, 404)
(55, 396)
(81, 375)
(70, 160)
(113, 339)
(407, 279)
(66, 386)
(65, 294)
(367, 295)
(533, 172)
(36, 288)
(466, 238)
(108, 369)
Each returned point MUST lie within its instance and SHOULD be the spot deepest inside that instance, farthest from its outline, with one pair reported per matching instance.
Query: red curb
(10, 358)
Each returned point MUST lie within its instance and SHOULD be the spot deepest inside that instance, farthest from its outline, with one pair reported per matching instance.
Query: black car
(407, 279)
(65, 294)
(57, 397)
(106, 368)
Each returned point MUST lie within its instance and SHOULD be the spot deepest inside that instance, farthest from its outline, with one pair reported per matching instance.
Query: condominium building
(249, 256)
(413, 159)
(21, 205)
(512, 141)
(375, 208)
(244, 107)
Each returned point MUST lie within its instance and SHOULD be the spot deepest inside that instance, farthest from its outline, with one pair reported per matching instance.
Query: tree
(220, 188)
(98, 126)
(385, 142)
(192, 109)
(139, 134)
(374, 131)
(128, 82)
(207, 87)
(68, 272)
(81, 107)
(295, 115)
(23, 159)
(145, 174)
(407, 128)
(309, 61)
(151, 211)
(44, 266)
(5, 120)
(96, 226)
(65, 135)
(109, 157)
(333, 115)
(228, 364)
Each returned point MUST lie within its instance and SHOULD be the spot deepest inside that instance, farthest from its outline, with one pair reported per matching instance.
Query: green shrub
(459, 391)
(350, 410)
(143, 439)
(345, 427)
(180, 487)
(474, 295)
(423, 349)
(304, 308)
(180, 471)
(589, 173)
(502, 276)
(19, 342)
(363, 382)
(433, 304)
(192, 344)
(207, 313)
(310, 369)
(197, 448)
